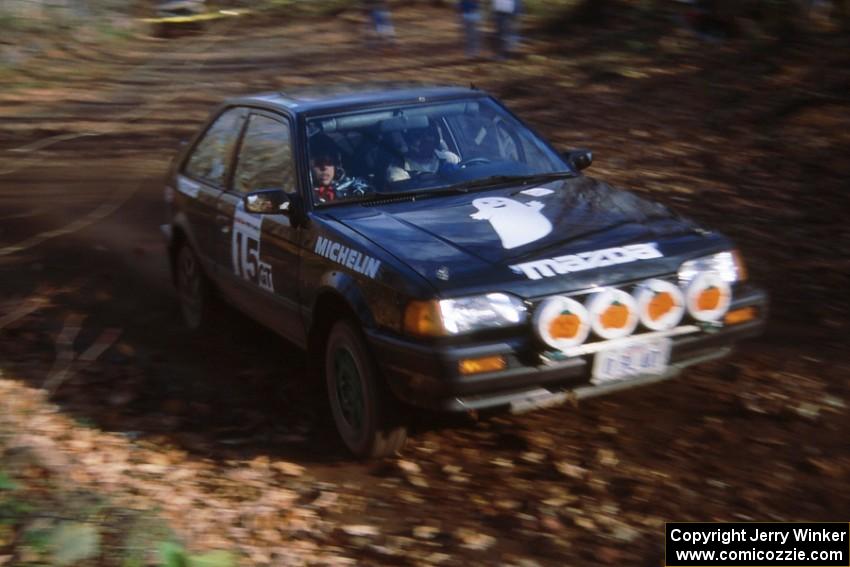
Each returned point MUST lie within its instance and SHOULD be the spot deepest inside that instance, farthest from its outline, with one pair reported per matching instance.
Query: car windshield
(422, 148)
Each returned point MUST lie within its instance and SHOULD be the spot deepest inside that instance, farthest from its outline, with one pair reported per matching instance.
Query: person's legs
(513, 33)
(470, 26)
(502, 34)
(510, 34)
(384, 24)
(371, 29)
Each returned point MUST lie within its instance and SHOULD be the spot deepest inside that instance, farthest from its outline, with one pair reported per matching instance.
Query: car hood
(486, 237)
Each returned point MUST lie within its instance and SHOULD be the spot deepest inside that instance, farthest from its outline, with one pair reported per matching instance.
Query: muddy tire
(194, 289)
(364, 411)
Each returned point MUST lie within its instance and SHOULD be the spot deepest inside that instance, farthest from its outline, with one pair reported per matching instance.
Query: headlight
(728, 265)
(464, 315)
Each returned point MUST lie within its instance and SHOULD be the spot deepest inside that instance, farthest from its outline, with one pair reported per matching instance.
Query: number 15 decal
(245, 250)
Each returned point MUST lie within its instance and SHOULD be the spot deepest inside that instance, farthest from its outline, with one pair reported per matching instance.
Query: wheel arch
(180, 234)
(178, 237)
(338, 297)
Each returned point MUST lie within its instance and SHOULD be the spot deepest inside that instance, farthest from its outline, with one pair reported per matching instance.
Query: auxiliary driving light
(613, 313)
(708, 296)
(561, 322)
(661, 304)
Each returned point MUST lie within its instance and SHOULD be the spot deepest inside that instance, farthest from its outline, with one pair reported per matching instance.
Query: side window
(265, 158)
(211, 157)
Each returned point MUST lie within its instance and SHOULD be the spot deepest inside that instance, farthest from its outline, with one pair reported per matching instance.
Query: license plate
(634, 359)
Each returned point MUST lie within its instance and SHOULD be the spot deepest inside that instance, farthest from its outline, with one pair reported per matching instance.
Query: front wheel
(364, 411)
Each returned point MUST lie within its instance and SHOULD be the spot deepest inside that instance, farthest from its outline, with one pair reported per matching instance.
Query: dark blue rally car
(429, 249)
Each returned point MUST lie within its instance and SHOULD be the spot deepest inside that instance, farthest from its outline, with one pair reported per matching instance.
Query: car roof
(347, 97)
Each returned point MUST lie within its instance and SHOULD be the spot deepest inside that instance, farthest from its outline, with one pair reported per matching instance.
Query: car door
(260, 253)
(202, 179)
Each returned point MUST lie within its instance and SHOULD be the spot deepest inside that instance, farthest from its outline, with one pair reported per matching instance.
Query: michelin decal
(516, 223)
(558, 266)
(348, 257)
(245, 249)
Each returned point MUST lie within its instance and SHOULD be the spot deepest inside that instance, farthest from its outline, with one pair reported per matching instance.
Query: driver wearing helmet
(426, 153)
(330, 182)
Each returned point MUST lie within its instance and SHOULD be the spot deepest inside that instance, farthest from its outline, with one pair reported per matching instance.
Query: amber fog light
(742, 315)
(422, 318)
(483, 364)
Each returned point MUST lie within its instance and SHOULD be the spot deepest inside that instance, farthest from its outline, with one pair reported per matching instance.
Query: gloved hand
(395, 174)
(447, 156)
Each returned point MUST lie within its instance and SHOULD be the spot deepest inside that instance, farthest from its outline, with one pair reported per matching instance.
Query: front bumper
(428, 376)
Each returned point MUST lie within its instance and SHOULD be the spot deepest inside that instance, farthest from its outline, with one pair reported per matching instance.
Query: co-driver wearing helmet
(330, 182)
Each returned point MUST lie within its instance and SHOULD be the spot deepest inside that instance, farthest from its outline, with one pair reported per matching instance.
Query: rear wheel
(193, 289)
(364, 411)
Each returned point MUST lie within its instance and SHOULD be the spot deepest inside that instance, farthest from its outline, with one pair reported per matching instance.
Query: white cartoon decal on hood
(516, 223)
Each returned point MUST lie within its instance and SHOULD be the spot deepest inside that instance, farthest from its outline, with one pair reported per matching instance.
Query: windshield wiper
(411, 194)
(490, 181)
(459, 188)
(439, 190)
(515, 179)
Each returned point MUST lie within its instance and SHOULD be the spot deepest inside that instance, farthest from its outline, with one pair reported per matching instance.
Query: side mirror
(268, 202)
(578, 159)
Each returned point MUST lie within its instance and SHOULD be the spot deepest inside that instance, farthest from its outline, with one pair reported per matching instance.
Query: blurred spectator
(470, 13)
(504, 16)
(180, 8)
(381, 19)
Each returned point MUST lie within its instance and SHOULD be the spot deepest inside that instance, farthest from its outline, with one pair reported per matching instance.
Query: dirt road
(222, 434)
